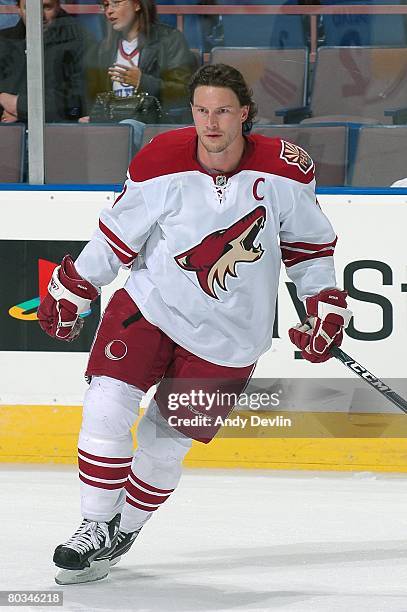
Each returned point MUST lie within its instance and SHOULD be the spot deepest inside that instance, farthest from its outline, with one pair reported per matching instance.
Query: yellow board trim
(48, 434)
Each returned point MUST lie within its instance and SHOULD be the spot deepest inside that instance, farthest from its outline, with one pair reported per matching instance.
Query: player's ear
(244, 113)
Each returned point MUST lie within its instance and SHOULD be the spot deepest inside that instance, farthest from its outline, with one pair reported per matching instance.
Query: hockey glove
(327, 317)
(69, 295)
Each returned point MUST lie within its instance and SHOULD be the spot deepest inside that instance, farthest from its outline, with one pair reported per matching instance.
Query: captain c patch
(295, 156)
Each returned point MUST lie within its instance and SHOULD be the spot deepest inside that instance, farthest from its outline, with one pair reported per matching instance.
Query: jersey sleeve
(122, 232)
(307, 242)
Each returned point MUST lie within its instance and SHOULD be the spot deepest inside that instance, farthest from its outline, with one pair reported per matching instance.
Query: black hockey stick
(368, 377)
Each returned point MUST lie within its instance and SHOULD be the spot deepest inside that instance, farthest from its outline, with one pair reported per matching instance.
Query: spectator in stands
(139, 54)
(65, 44)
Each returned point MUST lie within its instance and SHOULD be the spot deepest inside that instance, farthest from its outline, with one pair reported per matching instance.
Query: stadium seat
(194, 25)
(170, 20)
(198, 56)
(288, 32)
(343, 30)
(327, 145)
(207, 31)
(94, 24)
(12, 152)
(152, 130)
(381, 155)
(87, 153)
(8, 21)
(278, 77)
(281, 31)
(355, 84)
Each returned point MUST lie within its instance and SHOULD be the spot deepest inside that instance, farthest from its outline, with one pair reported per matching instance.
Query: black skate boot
(84, 558)
(123, 544)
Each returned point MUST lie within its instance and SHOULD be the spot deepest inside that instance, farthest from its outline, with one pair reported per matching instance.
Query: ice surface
(225, 541)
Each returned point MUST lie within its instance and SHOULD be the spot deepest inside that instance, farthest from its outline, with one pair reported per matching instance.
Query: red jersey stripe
(147, 486)
(120, 196)
(116, 241)
(101, 485)
(142, 496)
(309, 246)
(105, 459)
(107, 473)
(128, 56)
(139, 506)
(291, 258)
(123, 258)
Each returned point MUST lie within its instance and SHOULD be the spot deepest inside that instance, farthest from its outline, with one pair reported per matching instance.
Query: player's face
(218, 117)
(122, 14)
(50, 10)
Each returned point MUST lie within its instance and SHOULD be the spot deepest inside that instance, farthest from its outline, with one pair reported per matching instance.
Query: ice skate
(84, 557)
(123, 544)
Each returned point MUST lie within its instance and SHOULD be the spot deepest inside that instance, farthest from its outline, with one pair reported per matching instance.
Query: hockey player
(204, 218)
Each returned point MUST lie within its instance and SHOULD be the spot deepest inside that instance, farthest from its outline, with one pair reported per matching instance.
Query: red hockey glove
(69, 295)
(327, 317)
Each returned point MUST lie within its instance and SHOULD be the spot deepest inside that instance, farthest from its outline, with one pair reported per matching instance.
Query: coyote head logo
(217, 254)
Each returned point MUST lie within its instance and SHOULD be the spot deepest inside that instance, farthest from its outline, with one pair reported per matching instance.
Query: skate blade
(97, 571)
(115, 561)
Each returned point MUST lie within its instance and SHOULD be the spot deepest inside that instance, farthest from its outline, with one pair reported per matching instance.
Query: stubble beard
(215, 147)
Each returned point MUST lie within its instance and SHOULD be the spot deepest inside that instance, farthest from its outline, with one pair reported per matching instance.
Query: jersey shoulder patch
(293, 155)
(283, 158)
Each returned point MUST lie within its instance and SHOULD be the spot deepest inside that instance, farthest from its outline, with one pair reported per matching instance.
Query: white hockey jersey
(211, 246)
